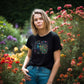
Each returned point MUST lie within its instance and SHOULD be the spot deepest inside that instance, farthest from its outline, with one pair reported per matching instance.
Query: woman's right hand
(25, 71)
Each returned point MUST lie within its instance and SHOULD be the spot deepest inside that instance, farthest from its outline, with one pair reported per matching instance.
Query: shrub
(66, 23)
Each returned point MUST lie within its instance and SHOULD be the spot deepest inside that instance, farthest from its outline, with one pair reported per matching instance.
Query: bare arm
(24, 70)
(55, 66)
(27, 58)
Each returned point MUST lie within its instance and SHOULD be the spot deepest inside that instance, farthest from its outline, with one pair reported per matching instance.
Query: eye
(35, 19)
(41, 18)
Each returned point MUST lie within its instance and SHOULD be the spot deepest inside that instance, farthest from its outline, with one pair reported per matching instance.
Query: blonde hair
(45, 18)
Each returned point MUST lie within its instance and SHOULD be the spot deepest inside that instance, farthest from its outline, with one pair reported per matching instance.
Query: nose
(38, 20)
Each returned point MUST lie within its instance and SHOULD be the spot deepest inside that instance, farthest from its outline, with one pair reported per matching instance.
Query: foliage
(9, 36)
(18, 11)
(11, 64)
(66, 23)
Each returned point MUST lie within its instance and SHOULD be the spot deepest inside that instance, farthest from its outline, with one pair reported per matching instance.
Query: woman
(43, 58)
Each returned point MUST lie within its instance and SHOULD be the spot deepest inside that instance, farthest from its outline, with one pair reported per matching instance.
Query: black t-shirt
(43, 48)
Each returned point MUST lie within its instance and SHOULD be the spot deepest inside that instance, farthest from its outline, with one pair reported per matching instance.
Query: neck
(43, 32)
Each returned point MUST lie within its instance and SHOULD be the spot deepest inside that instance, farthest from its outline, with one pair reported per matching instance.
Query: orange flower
(58, 79)
(62, 79)
(20, 64)
(65, 76)
(61, 75)
(76, 80)
(69, 69)
(78, 34)
(13, 71)
(78, 64)
(23, 80)
(16, 69)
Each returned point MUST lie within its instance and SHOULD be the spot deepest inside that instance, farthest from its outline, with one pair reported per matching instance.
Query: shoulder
(31, 36)
(54, 34)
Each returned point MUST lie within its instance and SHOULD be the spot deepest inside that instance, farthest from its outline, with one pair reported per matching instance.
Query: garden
(68, 23)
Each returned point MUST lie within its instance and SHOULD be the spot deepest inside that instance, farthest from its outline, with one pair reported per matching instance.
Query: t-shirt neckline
(44, 35)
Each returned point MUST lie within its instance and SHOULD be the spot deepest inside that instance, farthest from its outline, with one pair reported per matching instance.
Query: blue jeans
(39, 75)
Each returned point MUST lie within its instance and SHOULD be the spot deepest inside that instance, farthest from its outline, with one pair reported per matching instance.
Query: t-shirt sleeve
(56, 43)
(28, 43)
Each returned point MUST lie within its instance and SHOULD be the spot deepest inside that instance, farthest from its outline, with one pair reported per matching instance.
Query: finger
(27, 78)
(27, 75)
(26, 70)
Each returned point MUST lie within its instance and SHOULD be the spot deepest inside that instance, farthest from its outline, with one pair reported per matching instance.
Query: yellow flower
(83, 54)
(72, 39)
(62, 55)
(23, 48)
(15, 49)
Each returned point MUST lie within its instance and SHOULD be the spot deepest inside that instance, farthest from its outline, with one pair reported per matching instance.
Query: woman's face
(38, 21)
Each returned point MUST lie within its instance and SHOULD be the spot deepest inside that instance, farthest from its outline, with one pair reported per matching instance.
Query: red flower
(5, 55)
(67, 5)
(59, 7)
(80, 76)
(78, 83)
(17, 62)
(70, 27)
(80, 58)
(9, 66)
(83, 69)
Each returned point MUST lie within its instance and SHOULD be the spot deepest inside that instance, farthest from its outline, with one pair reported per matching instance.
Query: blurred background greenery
(18, 11)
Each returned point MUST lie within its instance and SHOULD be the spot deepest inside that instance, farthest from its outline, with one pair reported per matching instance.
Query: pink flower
(50, 9)
(69, 34)
(47, 12)
(57, 27)
(64, 14)
(59, 7)
(51, 12)
(69, 69)
(52, 22)
(67, 5)
(81, 7)
(73, 62)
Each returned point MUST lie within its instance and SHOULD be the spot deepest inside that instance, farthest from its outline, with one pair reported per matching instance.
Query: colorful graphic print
(41, 47)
